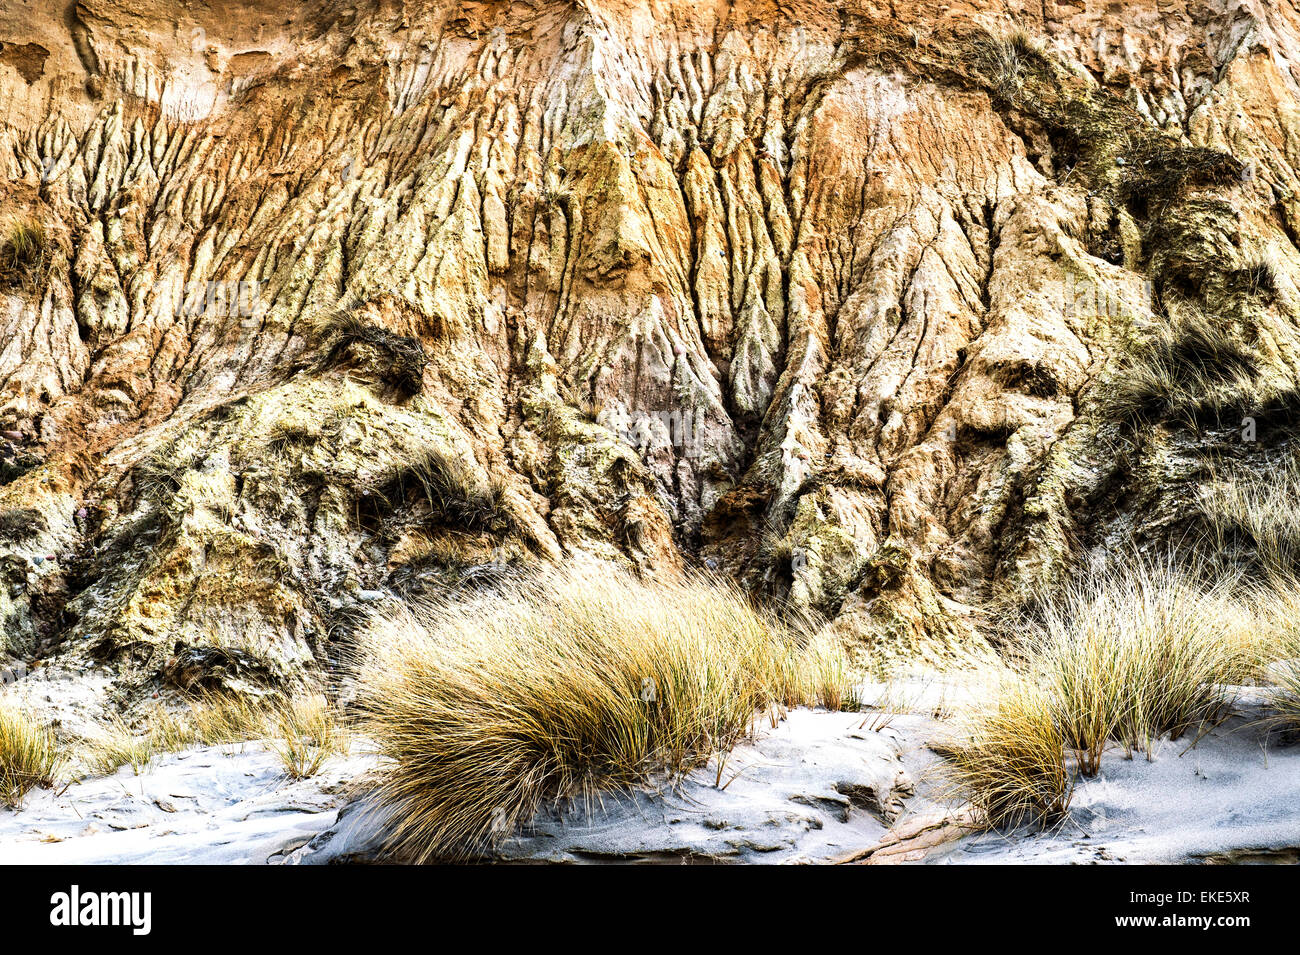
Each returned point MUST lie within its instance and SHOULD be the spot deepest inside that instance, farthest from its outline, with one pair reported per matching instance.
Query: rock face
(306, 310)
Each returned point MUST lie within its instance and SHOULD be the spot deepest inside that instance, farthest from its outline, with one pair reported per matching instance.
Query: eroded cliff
(310, 307)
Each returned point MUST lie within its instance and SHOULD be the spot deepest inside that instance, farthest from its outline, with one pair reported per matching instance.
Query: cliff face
(302, 310)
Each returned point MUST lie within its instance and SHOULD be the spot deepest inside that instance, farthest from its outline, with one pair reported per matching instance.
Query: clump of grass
(1010, 760)
(30, 755)
(1009, 64)
(303, 731)
(211, 720)
(287, 436)
(157, 476)
(307, 733)
(1284, 695)
(395, 360)
(20, 524)
(564, 683)
(1192, 366)
(1141, 652)
(1120, 658)
(115, 744)
(1261, 510)
(443, 491)
(1277, 603)
(24, 253)
(218, 719)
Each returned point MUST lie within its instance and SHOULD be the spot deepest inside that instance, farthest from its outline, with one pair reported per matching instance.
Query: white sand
(816, 788)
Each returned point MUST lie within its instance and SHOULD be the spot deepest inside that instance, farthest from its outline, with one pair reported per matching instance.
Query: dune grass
(30, 755)
(1284, 698)
(1259, 510)
(1277, 606)
(1009, 761)
(1121, 658)
(303, 731)
(565, 683)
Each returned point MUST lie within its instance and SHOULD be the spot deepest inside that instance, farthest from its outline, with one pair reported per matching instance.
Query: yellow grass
(303, 731)
(1144, 651)
(29, 755)
(569, 682)
(1010, 759)
(1278, 609)
(1262, 511)
(306, 734)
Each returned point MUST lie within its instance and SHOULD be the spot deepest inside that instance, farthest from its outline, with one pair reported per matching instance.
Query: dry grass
(29, 755)
(304, 732)
(1192, 366)
(393, 360)
(307, 732)
(115, 744)
(1262, 510)
(24, 254)
(1010, 759)
(566, 683)
(1123, 658)
(1277, 607)
(18, 525)
(1142, 652)
(1284, 697)
(438, 489)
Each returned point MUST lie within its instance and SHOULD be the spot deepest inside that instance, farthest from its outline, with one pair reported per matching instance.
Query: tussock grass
(565, 683)
(1009, 65)
(1010, 759)
(1277, 602)
(1121, 658)
(440, 489)
(307, 732)
(1284, 698)
(20, 524)
(396, 361)
(1191, 367)
(1262, 510)
(24, 253)
(30, 755)
(303, 731)
(1142, 652)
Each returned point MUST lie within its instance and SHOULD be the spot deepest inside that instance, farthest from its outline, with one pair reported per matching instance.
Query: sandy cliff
(339, 303)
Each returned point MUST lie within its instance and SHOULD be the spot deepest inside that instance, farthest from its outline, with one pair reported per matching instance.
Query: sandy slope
(821, 787)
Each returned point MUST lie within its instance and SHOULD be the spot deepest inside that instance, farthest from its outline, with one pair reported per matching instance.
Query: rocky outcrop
(335, 307)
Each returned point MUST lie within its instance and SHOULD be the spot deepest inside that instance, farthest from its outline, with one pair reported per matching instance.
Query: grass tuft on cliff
(1259, 510)
(441, 490)
(24, 253)
(395, 361)
(1122, 658)
(1191, 367)
(30, 755)
(565, 683)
